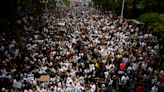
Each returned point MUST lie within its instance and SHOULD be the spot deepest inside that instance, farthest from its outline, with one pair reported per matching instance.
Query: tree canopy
(154, 22)
(151, 12)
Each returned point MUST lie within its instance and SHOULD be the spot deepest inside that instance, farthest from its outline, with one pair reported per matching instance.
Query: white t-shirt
(111, 66)
(129, 69)
(154, 89)
(135, 66)
(110, 82)
(80, 88)
(93, 87)
(125, 60)
(124, 79)
(106, 74)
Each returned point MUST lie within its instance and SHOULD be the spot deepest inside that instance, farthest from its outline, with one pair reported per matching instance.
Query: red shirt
(161, 78)
(122, 66)
(140, 89)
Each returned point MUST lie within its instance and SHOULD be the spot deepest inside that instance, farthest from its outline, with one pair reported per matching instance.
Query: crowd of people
(82, 50)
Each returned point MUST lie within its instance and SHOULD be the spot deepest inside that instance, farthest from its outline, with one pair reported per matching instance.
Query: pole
(122, 10)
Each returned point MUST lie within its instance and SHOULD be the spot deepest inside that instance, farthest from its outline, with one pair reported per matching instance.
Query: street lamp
(122, 11)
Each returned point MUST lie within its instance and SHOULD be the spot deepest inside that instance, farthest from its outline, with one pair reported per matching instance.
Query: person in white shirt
(80, 88)
(135, 66)
(93, 87)
(124, 79)
(154, 89)
(125, 60)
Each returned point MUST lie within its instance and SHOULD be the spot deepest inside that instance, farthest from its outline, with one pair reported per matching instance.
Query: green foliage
(67, 2)
(161, 18)
(7, 8)
(133, 8)
(150, 5)
(153, 15)
(149, 17)
(154, 23)
(116, 5)
(141, 5)
(34, 6)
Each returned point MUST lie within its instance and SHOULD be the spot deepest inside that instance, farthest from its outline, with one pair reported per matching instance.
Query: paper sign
(61, 24)
(17, 84)
(44, 78)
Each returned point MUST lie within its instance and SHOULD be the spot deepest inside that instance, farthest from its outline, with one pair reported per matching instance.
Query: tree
(151, 5)
(7, 8)
(116, 5)
(152, 15)
(154, 23)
